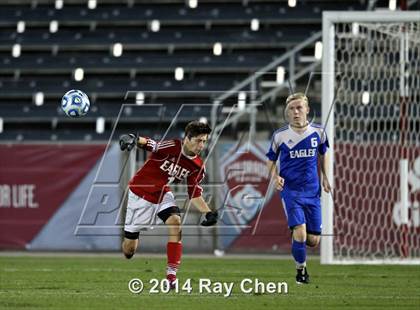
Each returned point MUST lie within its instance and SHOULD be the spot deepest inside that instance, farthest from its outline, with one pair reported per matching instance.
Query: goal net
(371, 82)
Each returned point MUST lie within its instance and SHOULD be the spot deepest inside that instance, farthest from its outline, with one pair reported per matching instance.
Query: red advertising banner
(34, 181)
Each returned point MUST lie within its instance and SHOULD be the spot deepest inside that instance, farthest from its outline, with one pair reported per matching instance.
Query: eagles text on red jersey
(166, 165)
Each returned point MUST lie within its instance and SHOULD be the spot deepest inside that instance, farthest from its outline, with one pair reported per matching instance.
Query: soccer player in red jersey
(149, 195)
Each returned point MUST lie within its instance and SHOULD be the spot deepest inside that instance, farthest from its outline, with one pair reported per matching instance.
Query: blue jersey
(298, 158)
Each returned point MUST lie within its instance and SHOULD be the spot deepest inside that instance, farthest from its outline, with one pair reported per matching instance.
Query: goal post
(371, 85)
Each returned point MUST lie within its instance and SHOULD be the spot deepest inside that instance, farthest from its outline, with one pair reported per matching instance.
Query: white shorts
(142, 214)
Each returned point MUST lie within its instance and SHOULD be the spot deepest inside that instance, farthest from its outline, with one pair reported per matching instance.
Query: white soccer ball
(75, 103)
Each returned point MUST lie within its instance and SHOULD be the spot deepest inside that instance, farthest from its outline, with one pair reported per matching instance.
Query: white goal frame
(330, 19)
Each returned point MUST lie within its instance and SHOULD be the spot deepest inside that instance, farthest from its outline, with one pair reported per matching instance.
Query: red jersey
(166, 165)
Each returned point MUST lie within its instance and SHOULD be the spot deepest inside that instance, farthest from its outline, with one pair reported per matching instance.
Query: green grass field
(102, 283)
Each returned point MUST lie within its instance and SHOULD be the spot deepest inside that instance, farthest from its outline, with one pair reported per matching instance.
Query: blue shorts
(302, 210)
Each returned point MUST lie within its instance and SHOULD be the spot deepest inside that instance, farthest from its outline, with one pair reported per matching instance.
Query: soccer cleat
(302, 276)
(171, 280)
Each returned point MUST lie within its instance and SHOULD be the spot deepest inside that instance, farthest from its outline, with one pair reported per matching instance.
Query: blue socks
(299, 252)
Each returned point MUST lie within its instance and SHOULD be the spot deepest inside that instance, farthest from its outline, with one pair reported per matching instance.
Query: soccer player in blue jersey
(298, 147)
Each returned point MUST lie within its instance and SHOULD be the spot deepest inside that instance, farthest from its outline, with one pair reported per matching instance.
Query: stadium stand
(41, 45)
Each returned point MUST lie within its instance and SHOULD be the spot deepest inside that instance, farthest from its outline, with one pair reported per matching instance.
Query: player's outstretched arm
(129, 141)
(201, 205)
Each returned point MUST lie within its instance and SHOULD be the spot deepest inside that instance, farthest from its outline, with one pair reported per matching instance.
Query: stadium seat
(46, 58)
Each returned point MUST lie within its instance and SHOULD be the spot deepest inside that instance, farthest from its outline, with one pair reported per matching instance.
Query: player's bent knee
(299, 233)
(174, 219)
(312, 243)
(170, 216)
(129, 247)
(312, 240)
(128, 252)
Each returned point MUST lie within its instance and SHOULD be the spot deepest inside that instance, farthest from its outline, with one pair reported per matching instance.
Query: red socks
(174, 253)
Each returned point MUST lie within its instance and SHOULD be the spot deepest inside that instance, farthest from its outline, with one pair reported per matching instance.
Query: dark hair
(196, 128)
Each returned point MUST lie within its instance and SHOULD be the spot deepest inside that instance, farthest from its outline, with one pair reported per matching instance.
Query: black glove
(128, 142)
(211, 218)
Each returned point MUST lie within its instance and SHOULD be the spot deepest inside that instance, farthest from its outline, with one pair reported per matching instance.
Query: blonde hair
(295, 96)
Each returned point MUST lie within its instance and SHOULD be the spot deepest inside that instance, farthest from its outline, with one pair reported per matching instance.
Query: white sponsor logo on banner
(413, 206)
(18, 196)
